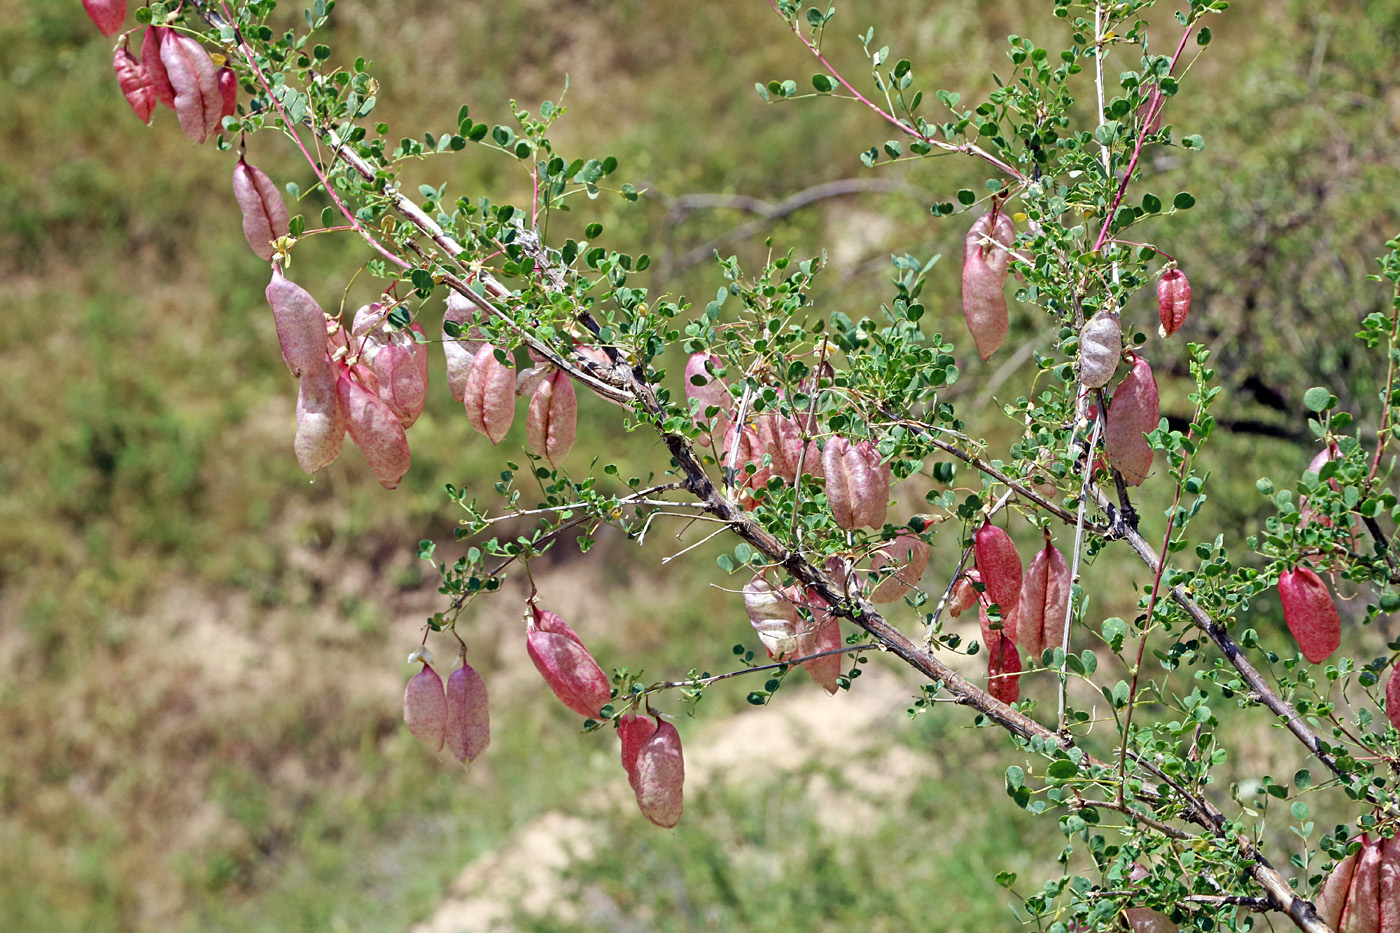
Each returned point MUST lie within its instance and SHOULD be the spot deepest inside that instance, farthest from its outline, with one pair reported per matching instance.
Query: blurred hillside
(201, 648)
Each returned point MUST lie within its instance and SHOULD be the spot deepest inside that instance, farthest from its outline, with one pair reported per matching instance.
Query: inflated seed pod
(908, 554)
(964, 596)
(1310, 613)
(1392, 697)
(264, 211)
(705, 389)
(1003, 669)
(195, 80)
(489, 394)
(984, 279)
(633, 730)
(551, 421)
(999, 565)
(321, 419)
(1362, 893)
(823, 633)
(155, 68)
(1100, 346)
(1173, 301)
(425, 708)
(774, 617)
(468, 729)
(565, 664)
(857, 483)
(1045, 590)
(228, 93)
(135, 84)
(107, 14)
(301, 325)
(1132, 413)
(460, 350)
(658, 776)
(373, 426)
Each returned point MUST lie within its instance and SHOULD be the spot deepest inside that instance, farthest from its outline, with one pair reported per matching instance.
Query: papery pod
(633, 730)
(1145, 919)
(704, 389)
(135, 84)
(461, 350)
(264, 212)
(321, 418)
(1008, 627)
(1392, 697)
(1390, 885)
(964, 596)
(551, 421)
(1331, 897)
(1100, 346)
(1150, 111)
(468, 729)
(425, 708)
(823, 633)
(401, 365)
(1132, 413)
(1173, 300)
(1359, 894)
(999, 565)
(373, 427)
(228, 93)
(984, 279)
(301, 325)
(565, 664)
(489, 394)
(750, 452)
(659, 776)
(1045, 590)
(774, 617)
(1310, 613)
(107, 14)
(155, 68)
(528, 380)
(195, 80)
(857, 483)
(909, 554)
(1306, 513)
(1003, 670)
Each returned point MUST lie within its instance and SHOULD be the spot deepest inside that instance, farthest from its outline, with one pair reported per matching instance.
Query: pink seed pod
(963, 597)
(1145, 919)
(781, 438)
(195, 81)
(1008, 627)
(658, 776)
(321, 419)
(460, 351)
(984, 280)
(705, 389)
(1132, 413)
(468, 729)
(228, 93)
(1100, 346)
(774, 617)
(1150, 113)
(1173, 301)
(633, 730)
(301, 325)
(399, 361)
(999, 565)
(135, 84)
(1003, 669)
(565, 664)
(1040, 619)
(1310, 613)
(264, 212)
(425, 708)
(552, 419)
(1362, 893)
(155, 68)
(909, 554)
(750, 452)
(1392, 698)
(489, 394)
(857, 483)
(373, 426)
(823, 633)
(107, 14)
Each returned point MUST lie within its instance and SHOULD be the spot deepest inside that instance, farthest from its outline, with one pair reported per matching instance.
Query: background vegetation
(200, 649)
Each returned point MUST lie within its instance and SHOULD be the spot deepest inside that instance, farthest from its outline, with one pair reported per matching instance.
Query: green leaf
(1184, 201)
(1317, 399)
(823, 83)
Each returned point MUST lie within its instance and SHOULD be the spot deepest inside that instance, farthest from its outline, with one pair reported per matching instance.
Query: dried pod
(1005, 627)
(1173, 300)
(1100, 346)
(633, 730)
(1132, 413)
(1392, 698)
(425, 708)
(228, 93)
(321, 418)
(774, 616)
(1362, 893)
(823, 633)
(460, 350)
(403, 375)
(706, 389)
(135, 84)
(107, 14)
(1310, 613)
(999, 565)
(1003, 669)
(749, 454)
(857, 483)
(984, 280)
(155, 68)
(301, 325)
(964, 596)
(1040, 618)
(373, 426)
(908, 553)
(489, 394)
(565, 664)
(195, 81)
(264, 212)
(1145, 919)
(551, 421)
(658, 776)
(468, 729)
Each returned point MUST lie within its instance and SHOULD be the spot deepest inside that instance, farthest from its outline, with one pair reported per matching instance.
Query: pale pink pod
(468, 729)
(1331, 897)
(857, 483)
(301, 325)
(460, 351)
(374, 428)
(1392, 697)
(774, 617)
(1045, 590)
(195, 81)
(1306, 513)
(565, 664)
(964, 596)
(135, 84)
(155, 68)
(264, 212)
(1173, 300)
(633, 730)
(107, 14)
(781, 438)
(1390, 885)
(425, 708)
(1132, 413)
(1100, 346)
(705, 389)
(908, 553)
(528, 380)
(999, 565)
(399, 361)
(659, 776)
(1003, 669)
(228, 93)
(823, 633)
(321, 418)
(1310, 613)
(489, 394)
(984, 279)
(552, 419)
(1007, 627)
(750, 451)
(1150, 111)
(1360, 910)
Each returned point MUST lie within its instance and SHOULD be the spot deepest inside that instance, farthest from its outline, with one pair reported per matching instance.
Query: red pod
(301, 325)
(135, 84)
(633, 730)
(1100, 346)
(264, 212)
(321, 419)
(984, 280)
(195, 81)
(658, 776)
(964, 596)
(565, 664)
(1310, 613)
(552, 419)
(1132, 413)
(1392, 698)
(1007, 627)
(705, 389)
(823, 633)
(489, 394)
(155, 68)
(1003, 669)
(1040, 619)
(425, 708)
(228, 93)
(1362, 893)
(468, 729)
(999, 565)
(750, 452)
(774, 617)
(373, 426)
(781, 438)
(107, 14)
(1173, 300)
(908, 553)
(857, 483)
